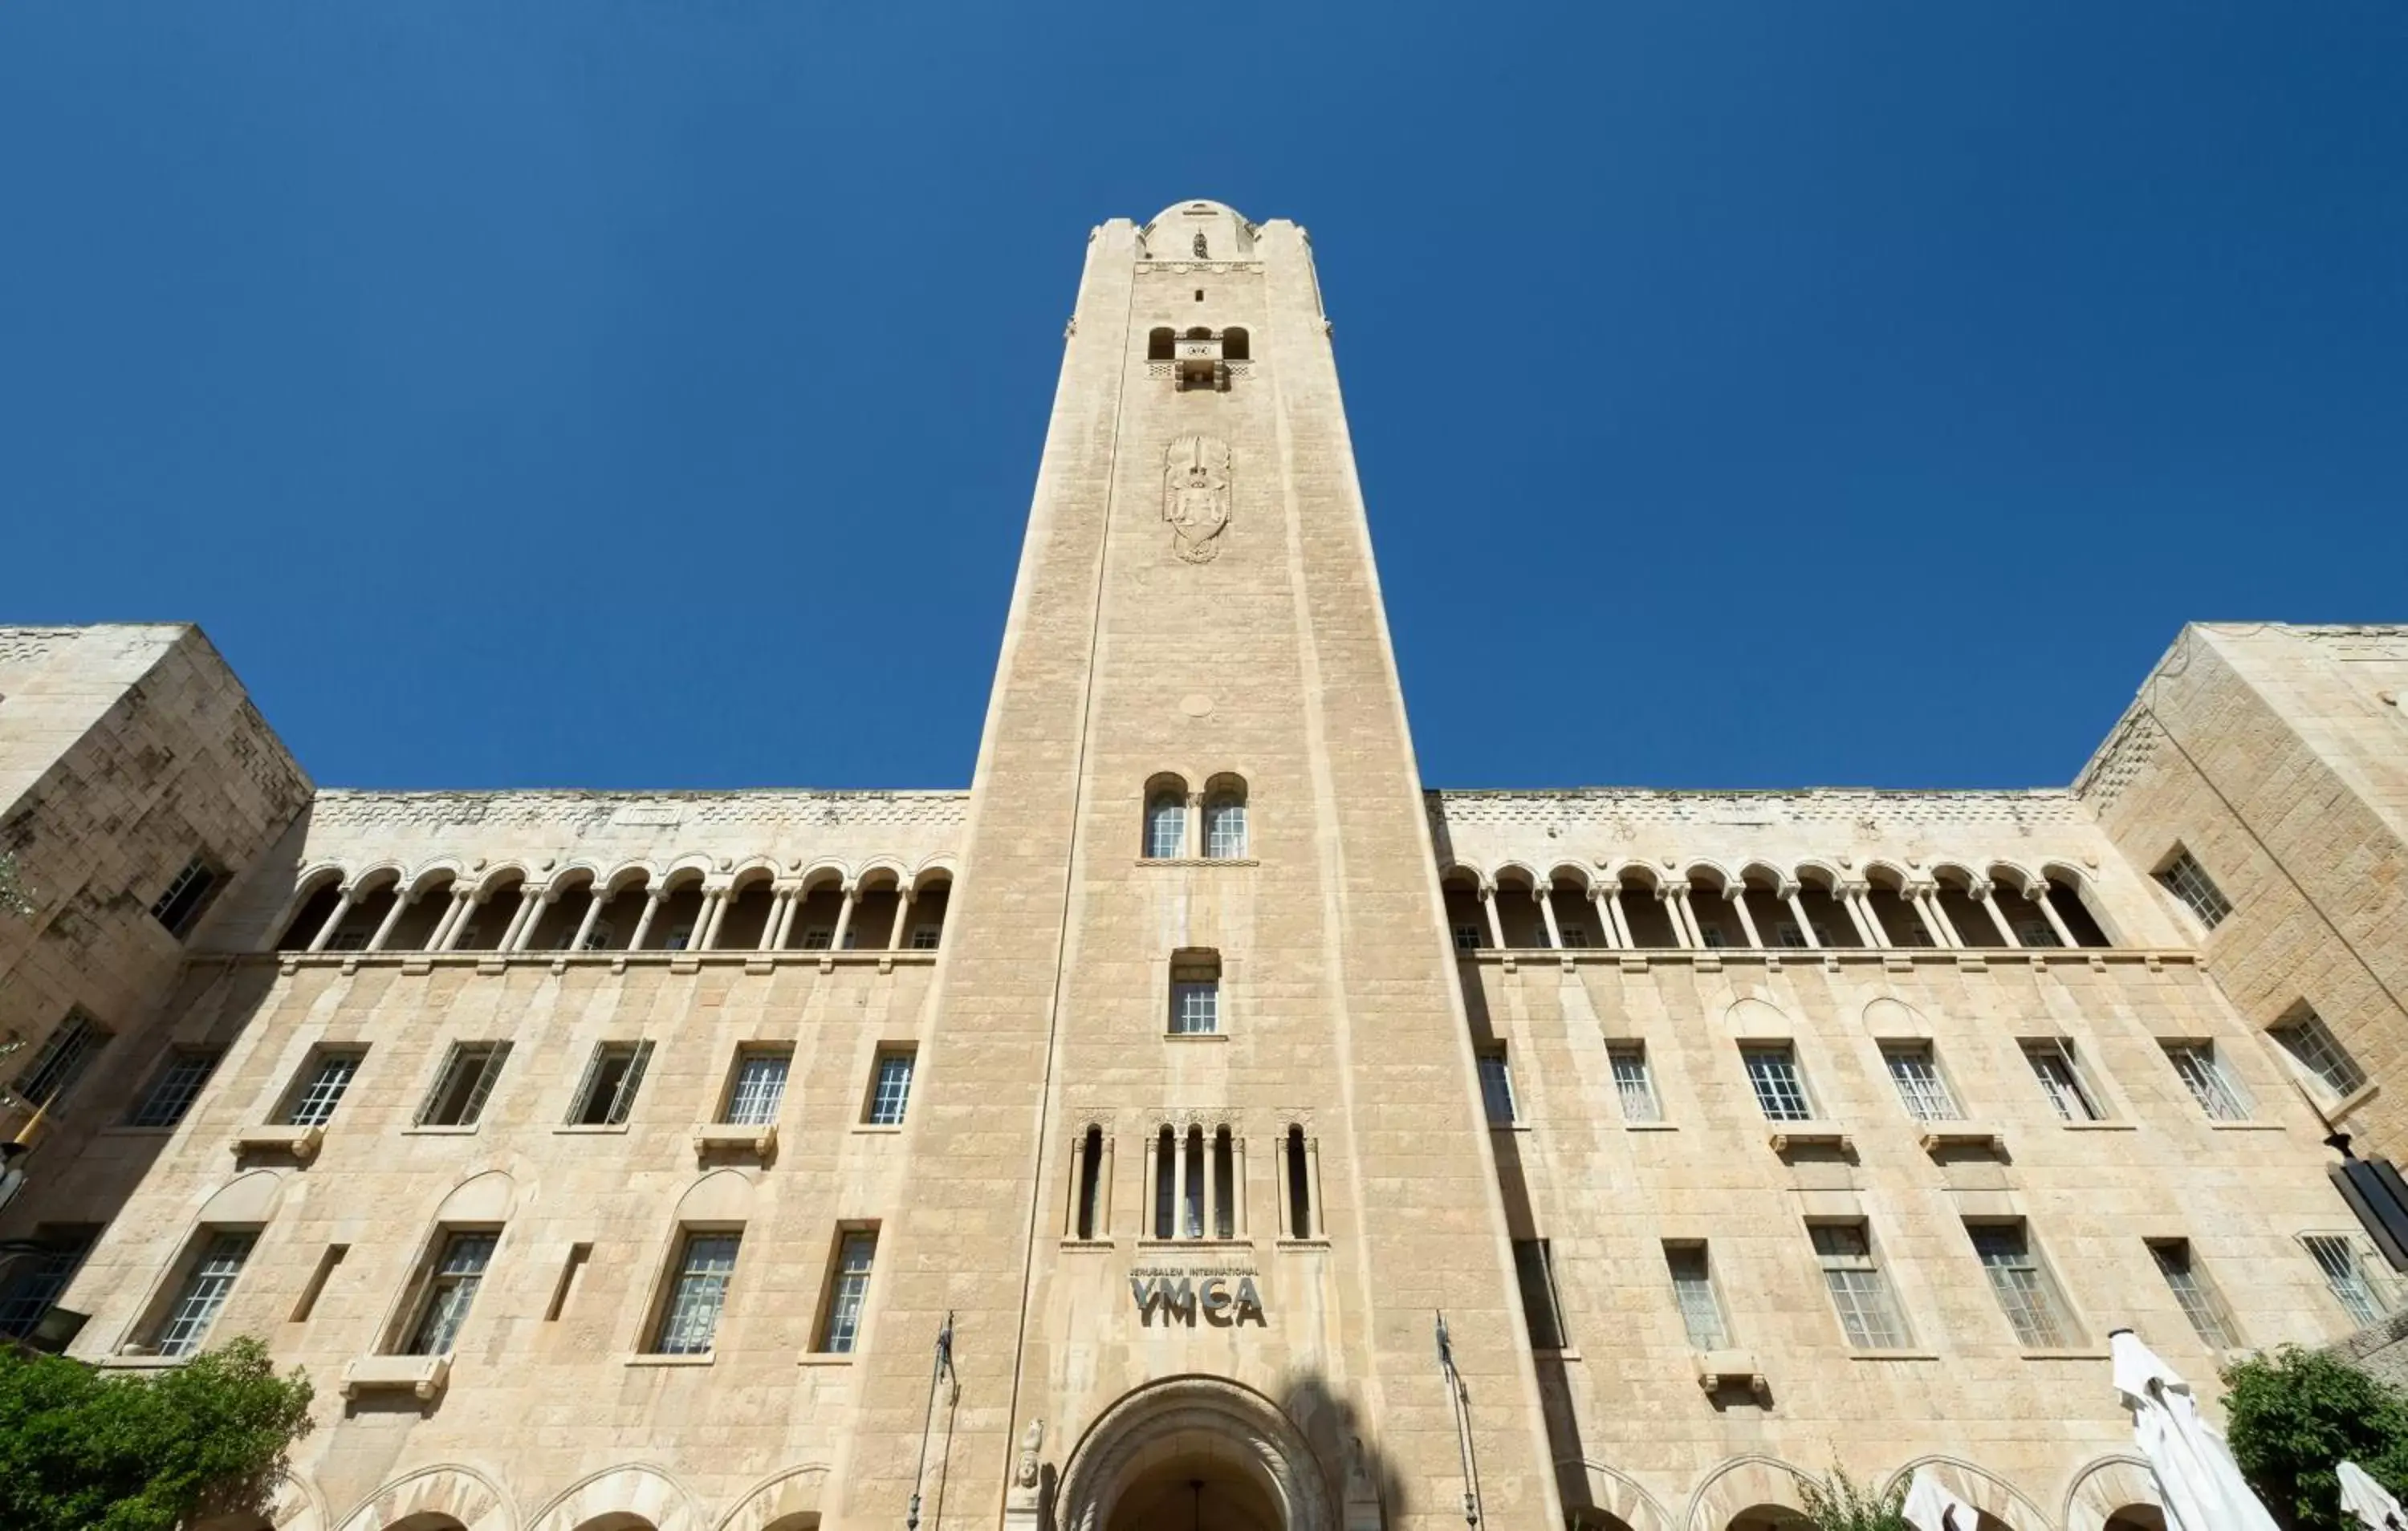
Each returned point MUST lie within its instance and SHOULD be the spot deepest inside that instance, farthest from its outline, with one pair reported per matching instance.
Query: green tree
(1840, 1503)
(82, 1449)
(15, 897)
(2295, 1415)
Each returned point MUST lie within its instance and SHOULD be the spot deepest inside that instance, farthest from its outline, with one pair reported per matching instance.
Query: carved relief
(1195, 496)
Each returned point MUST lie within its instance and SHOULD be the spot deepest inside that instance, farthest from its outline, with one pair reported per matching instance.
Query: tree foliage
(1840, 1503)
(2295, 1415)
(15, 897)
(82, 1449)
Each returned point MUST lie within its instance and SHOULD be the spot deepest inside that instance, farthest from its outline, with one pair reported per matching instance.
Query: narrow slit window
(1693, 1294)
(1497, 1089)
(1191, 1206)
(1225, 1185)
(566, 1288)
(1166, 1184)
(1300, 1186)
(1534, 1266)
(1091, 1184)
(315, 1288)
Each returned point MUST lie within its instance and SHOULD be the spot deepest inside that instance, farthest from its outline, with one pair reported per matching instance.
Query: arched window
(1166, 1184)
(1225, 820)
(1091, 1183)
(1166, 823)
(1236, 346)
(1160, 344)
(1299, 1185)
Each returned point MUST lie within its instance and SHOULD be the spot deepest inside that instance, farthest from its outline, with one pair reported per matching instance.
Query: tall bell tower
(1199, 1155)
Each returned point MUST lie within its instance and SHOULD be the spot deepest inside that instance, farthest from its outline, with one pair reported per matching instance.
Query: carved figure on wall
(1030, 1440)
(1201, 252)
(1195, 496)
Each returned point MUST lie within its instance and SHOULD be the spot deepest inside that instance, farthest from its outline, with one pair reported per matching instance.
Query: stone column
(706, 919)
(654, 898)
(1078, 1184)
(463, 902)
(2056, 921)
(1280, 1173)
(1598, 898)
(593, 902)
(1546, 901)
(773, 926)
(784, 926)
(1620, 924)
(902, 917)
(1675, 898)
(1178, 1184)
(844, 917)
(1789, 895)
(1495, 926)
(1859, 897)
(1104, 1191)
(1986, 895)
(1208, 1217)
(1191, 829)
(1238, 1185)
(343, 902)
(531, 907)
(1735, 895)
(1935, 919)
(1319, 1209)
(392, 918)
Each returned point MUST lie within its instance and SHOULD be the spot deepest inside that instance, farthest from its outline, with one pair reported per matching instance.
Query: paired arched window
(1166, 822)
(1224, 825)
(1225, 819)
(1197, 1185)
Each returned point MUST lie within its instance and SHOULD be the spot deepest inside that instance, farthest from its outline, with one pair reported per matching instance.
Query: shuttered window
(607, 1092)
(458, 1098)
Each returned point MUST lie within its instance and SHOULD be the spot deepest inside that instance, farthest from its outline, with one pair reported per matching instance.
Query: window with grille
(607, 1092)
(62, 1060)
(890, 1092)
(1534, 1264)
(194, 1307)
(321, 1090)
(1791, 937)
(37, 1278)
(1693, 1293)
(2204, 1076)
(698, 1294)
(450, 1288)
(1633, 1085)
(2349, 1271)
(758, 1088)
(1920, 1087)
(458, 1096)
(1195, 992)
(819, 938)
(1166, 827)
(2026, 1291)
(1860, 1291)
(2200, 1302)
(2060, 1080)
(1780, 1089)
(173, 1089)
(1469, 938)
(1712, 935)
(2036, 933)
(2188, 881)
(924, 938)
(2311, 1044)
(1224, 828)
(187, 896)
(840, 1328)
(1497, 1089)
(1575, 936)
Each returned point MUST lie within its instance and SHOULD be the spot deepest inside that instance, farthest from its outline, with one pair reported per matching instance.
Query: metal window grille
(62, 1060)
(2052, 1065)
(1693, 1292)
(760, 1086)
(1467, 938)
(1920, 1087)
(37, 1280)
(2200, 1302)
(2188, 881)
(348, 941)
(817, 939)
(323, 1090)
(1497, 1089)
(924, 938)
(1632, 1086)
(607, 1092)
(853, 1262)
(204, 1292)
(894, 1091)
(458, 1097)
(2024, 1289)
(1792, 938)
(1575, 937)
(450, 1288)
(598, 939)
(2309, 1040)
(1225, 830)
(699, 1295)
(2347, 1271)
(1166, 829)
(2036, 933)
(1534, 1264)
(1194, 1007)
(1715, 938)
(173, 1092)
(1859, 1292)
(1772, 1072)
(2204, 1077)
(186, 896)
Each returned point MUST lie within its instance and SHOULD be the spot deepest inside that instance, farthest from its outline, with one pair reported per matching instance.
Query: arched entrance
(1195, 1453)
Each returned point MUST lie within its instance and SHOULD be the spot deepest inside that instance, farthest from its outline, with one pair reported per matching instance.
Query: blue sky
(604, 394)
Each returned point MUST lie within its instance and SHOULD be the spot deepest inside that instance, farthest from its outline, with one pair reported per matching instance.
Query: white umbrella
(2368, 1500)
(2199, 1486)
(1932, 1508)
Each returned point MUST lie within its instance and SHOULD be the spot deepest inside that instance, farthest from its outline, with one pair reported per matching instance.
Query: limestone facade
(1105, 1147)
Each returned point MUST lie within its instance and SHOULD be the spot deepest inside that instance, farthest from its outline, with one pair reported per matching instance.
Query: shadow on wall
(1370, 1492)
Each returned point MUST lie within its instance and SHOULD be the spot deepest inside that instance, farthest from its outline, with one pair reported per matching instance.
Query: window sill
(1198, 861)
(1209, 1245)
(1300, 1243)
(1088, 1246)
(1893, 1355)
(2246, 1126)
(2107, 1125)
(1650, 1126)
(123, 1131)
(2352, 1101)
(826, 1358)
(140, 1363)
(647, 1358)
(878, 1129)
(1194, 1036)
(2069, 1352)
(1566, 1352)
(1509, 1126)
(589, 1129)
(437, 1129)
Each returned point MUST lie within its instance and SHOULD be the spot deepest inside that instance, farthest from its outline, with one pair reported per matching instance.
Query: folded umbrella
(2199, 1487)
(2368, 1500)
(1932, 1508)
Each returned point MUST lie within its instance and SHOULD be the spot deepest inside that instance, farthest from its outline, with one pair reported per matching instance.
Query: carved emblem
(1201, 248)
(1030, 1440)
(1195, 496)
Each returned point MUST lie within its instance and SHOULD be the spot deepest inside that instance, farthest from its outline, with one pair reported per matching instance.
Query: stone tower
(1196, 621)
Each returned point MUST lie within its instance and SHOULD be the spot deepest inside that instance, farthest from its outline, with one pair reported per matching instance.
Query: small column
(654, 898)
(593, 902)
(1858, 898)
(902, 917)
(1611, 904)
(343, 902)
(1597, 897)
(788, 903)
(463, 902)
(773, 929)
(1104, 1191)
(844, 917)
(1735, 895)
(1191, 828)
(1789, 895)
(1078, 1184)
(2056, 921)
(1238, 1185)
(1935, 919)
(1547, 918)
(1495, 926)
(1319, 1211)
(1208, 1217)
(1984, 894)
(706, 921)
(1676, 904)
(1279, 1183)
(531, 907)
(392, 918)
(1179, 1184)
(1154, 1170)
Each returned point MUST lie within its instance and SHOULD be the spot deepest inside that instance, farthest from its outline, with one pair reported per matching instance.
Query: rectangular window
(840, 1328)
(1780, 1089)
(1467, 938)
(1497, 1089)
(180, 907)
(1225, 830)
(320, 1089)
(450, 1288)
(173, 1089)
(1194, 994)
(1791, 937)
(1534, 1264)
(924, 938)
(62, 1060)
(891, 1091)
(2026, 1291)
(1920, 1087)
(37, 1278)
(460, 1091)
(2188, 881)
(197, 1303)
(1715, 941)
(1859, 1292)
(2203, 1075)
(759, 1087)
(817, 939)
(698, 1294)
(2349, 1270)
(2200, 1302)
(2060, 1080)
(1633, 1085)
(2311, 1044)
(607, 1092)
(1575, 938)
(2036, 933)
(1693, 1292)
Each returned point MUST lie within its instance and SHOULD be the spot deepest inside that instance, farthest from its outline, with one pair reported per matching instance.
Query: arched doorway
(1195, 1453)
